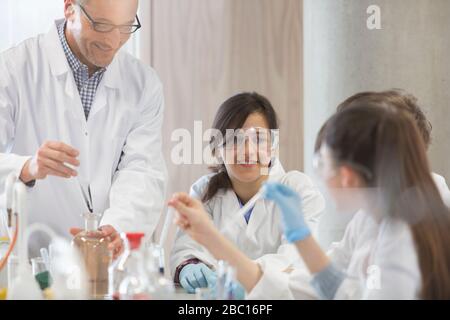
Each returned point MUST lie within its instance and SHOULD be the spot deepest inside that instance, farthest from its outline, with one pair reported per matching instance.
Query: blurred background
(305, 56)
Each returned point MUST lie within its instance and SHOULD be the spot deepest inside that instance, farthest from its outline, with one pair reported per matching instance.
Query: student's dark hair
(232, 114)
(319, 137)
(399, 99)
(387, 143)
(396, 98)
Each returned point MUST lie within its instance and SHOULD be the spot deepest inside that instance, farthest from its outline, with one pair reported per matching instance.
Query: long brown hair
(232, 114)
(397, 98)
(387, 142)
(393, 98)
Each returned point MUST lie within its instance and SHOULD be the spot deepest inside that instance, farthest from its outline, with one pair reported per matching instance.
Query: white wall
(23, 19)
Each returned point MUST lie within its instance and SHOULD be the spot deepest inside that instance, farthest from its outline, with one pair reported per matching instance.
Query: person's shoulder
(136, 71)
(199, 187)
(362, 220)
(292, 178)
(22, 47)
(20, 55)
(442, 186)
(439, 180)
(296, 179)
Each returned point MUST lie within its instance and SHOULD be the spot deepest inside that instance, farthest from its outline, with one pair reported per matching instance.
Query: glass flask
(93, 247)
(134, 285)
(119, 268)
(226, 281)
(160, 287)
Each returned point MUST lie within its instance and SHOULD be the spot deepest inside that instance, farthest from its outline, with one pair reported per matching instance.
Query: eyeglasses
(257, 136)
(107, 27)
(327, 172)
(320, 169)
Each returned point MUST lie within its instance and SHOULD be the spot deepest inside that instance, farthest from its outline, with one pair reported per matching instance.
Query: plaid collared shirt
(87, 87)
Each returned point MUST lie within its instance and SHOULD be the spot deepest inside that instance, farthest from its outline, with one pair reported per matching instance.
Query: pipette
(167, 224)
(87, 197)
(9, 189)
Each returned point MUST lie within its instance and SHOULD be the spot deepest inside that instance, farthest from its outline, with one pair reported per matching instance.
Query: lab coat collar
(54, 51)
(112, 76)
(276, 172)
(258, 217)
(59, 64)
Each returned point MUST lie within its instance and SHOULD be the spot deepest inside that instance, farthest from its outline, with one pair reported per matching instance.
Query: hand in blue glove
(194, 276)
(237, 292)
(290, 204)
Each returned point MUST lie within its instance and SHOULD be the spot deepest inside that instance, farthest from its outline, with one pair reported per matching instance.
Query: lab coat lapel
(75, 108)
(54, 51)
(63, 75)
(100, 101)
(261, 210)
(259, 214)
(108, 86)
(230, 207)
(61, 71)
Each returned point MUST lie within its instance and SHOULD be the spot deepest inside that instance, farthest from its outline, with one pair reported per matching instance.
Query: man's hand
(52, 159)
(116, 244)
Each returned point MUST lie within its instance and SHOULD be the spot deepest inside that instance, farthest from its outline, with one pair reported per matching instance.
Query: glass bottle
(160, 286)
(134, 285)
(118, 269)
(93, 247)
(226, 281)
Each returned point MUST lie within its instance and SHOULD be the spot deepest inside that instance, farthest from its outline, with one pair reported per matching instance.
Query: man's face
(98, 48)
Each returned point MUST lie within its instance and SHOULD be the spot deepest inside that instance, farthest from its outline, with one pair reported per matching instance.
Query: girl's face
(344, 185)
(247, 153)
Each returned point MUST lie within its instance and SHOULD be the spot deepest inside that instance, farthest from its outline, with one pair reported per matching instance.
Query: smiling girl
(245, 143)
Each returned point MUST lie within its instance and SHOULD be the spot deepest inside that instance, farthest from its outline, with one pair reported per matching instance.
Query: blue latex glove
(194, 276)
(290, 204)
(238, 291)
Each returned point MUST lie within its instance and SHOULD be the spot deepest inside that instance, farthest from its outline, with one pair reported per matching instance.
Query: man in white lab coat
(80, 123)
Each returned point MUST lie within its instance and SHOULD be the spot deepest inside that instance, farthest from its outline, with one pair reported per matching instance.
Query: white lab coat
(262, 238)
(120, 144)
(442, 187)
(379, 259)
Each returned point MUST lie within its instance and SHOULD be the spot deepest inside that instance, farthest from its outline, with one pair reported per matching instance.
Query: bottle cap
(135, 240)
